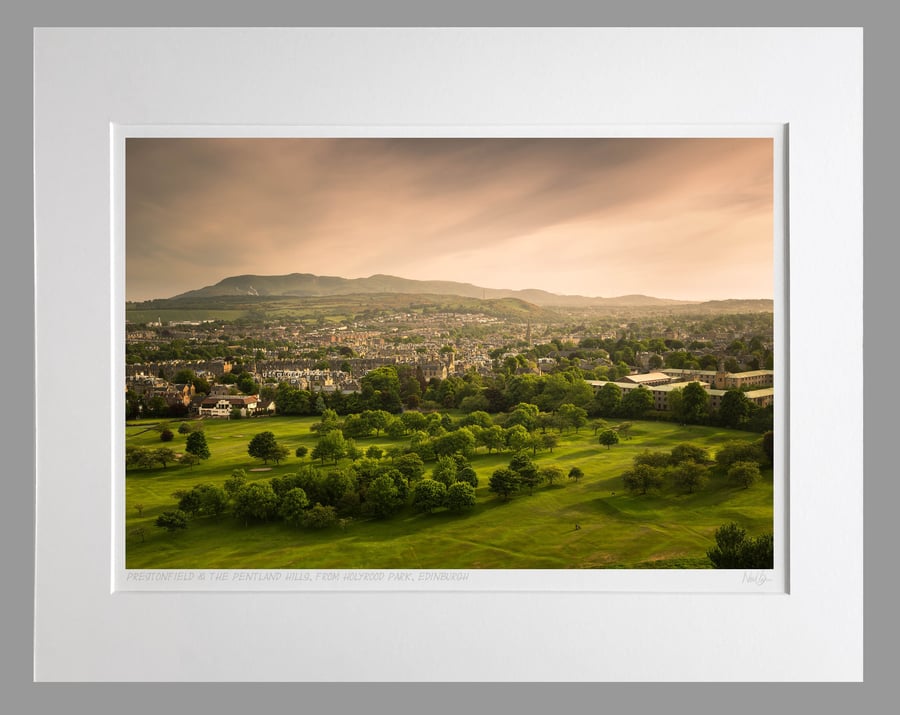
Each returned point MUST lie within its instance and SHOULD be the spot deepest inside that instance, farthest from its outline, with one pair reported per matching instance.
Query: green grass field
(667, 530)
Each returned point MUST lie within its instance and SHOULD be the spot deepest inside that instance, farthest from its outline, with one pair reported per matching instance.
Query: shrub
(166, 435)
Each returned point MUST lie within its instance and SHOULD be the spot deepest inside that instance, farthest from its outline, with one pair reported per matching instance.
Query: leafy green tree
(768, 446)
(573, 416)
(301, 451)
(688, 452)
(184, 428)
(529, 476)
(608, 400)
(237, 479)
(548, 442)
(576, 473)
(196, 445)
(213, 499)
(445, 471)
(459, 441)
(428, 495)
(188, 501)
(320, 517)
(737, 451)
(734, 409)
(172, 521)
(411, 467)
(637, 402)
(609, 437)
(744, 473)
(643, 478)
(255, 501)
(656, 459)
(690, 475)
(330, 446)
(164, 455)
(189, 459)
(263, 446)
(624, 430)
(293, 506)
(492, 438)
(551, 474)
(374, 452)
(383, 496)
(465, 473)
(734, 550)
(166, 435)
(504, 482)
(380, 389)
(694, 404)
(517, 438)
(460, 495)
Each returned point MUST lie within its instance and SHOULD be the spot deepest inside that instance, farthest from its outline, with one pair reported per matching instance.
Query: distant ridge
(306, 284)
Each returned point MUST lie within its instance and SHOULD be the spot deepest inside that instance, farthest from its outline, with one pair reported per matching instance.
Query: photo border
(766, 581)
(821, 616)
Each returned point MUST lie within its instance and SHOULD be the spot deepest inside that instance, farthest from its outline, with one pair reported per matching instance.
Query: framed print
(267, 266)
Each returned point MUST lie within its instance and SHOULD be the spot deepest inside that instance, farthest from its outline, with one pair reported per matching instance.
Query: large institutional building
(715, 383)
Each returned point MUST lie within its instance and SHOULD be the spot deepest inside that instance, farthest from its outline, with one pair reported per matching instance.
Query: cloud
(652, 214)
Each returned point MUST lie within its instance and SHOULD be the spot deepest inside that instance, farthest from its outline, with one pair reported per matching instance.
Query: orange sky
(673, 218)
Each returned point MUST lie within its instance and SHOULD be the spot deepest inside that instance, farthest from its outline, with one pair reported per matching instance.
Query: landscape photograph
(450, 353)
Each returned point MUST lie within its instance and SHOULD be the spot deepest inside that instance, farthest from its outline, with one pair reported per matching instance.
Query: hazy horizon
(683, 219)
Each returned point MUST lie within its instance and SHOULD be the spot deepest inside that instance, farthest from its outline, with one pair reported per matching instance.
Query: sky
(688, 219)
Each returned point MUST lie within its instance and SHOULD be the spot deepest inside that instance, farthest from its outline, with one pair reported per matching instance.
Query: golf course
(591, 522)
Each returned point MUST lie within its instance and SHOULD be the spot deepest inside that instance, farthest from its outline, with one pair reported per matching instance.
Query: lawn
(617, 530)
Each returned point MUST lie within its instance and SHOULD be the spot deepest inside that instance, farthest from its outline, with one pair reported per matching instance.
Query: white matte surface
(87, 79)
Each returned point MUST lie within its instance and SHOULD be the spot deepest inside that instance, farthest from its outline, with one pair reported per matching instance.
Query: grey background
(16, 273)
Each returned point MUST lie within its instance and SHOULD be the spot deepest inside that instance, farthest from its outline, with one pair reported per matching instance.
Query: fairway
(671, 529)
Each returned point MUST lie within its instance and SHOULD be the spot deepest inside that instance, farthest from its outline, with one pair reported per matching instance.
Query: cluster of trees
(689, 467)
(434, 435)
(312, 498)
(735, 550)
(195, 450)
(523, 473)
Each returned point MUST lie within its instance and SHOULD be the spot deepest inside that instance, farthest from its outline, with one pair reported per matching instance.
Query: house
(222, 406)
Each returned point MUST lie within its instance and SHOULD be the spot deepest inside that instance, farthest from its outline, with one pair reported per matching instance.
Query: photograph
(458, 353)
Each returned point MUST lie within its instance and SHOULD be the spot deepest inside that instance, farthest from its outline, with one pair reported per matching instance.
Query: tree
(624, 430)
(734, 409)
(690, 475)
(301, 452)
(255, 501)
(737, 451)
(609, 437)
(744, 473)
(643, 478)
(320, 517)
(383, 496)
(184, 428)
(411, 467)
(293, 506)
(445, 471)
(213, 499)
(573, 416)
(263, 446)
(172, 521)
(504, 482)
(694, 404)
(166, 435)
(733, 550)
(492, 438)
(576, 474)
(196, 445)
(164, 455)
(428, 495)
(608, 399)
(330, 446)
(188, 501)
(189, 459)
(237, 479)
(637, 402)
(460, 495)
(529, 475)
(374, 452)
(688, 452)
(551, 474)
(549, 441)
(517, 438)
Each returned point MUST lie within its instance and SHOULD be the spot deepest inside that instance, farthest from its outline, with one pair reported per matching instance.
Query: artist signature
(758, 578)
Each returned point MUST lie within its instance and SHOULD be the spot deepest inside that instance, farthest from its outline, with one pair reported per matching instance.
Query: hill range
(308, 285)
